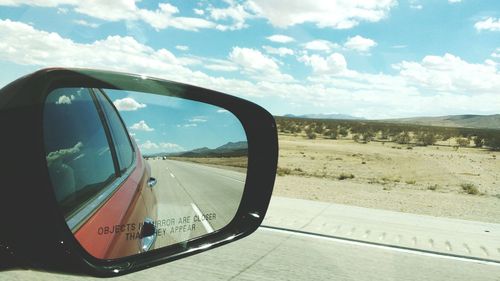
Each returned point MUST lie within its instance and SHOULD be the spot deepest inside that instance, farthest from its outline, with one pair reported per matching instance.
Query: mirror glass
(133, 172)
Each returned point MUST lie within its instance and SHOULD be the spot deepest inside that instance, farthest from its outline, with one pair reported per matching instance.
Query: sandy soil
(423, 180)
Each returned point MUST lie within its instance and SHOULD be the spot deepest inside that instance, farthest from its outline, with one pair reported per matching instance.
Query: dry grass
(388, 178)
(236, 162)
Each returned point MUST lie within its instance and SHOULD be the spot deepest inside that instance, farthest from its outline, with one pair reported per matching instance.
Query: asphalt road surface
(306, 240)
(279, 255)
(193, 199)
(460, 238)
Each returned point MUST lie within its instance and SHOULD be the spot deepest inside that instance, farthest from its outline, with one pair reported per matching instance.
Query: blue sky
(370, 58)
(169, 124)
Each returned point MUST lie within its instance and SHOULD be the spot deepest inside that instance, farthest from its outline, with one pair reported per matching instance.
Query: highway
(276, 255)
(194, 199)
(307, 240)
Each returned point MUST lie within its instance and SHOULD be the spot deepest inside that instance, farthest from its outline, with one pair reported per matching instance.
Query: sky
(170, 124)
(369, 58)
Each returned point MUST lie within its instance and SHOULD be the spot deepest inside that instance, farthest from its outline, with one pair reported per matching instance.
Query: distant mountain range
(465, 121)
(230, 149)
(325, 116)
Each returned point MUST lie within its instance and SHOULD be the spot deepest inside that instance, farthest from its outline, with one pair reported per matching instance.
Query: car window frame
(105, 117)
(77, 218)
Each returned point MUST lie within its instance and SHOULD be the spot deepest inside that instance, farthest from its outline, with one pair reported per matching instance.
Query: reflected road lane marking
(205, 223)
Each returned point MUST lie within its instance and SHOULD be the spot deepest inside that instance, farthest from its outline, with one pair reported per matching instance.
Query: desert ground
(437, 180)
(238, 164)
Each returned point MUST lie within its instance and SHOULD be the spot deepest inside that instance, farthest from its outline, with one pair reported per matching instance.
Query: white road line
(364, 244)
(205, 223)
(230, 178)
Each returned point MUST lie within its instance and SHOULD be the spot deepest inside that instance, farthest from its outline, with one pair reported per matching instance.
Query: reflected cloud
(128, 104)
(197, 120)
(65, 99)
(60, 154)
(187, 125)
(141, 126)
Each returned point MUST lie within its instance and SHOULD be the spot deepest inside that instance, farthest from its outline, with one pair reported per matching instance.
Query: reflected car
(100, 179)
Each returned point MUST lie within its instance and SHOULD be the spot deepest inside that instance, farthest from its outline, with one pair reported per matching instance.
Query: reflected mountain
(230, 149)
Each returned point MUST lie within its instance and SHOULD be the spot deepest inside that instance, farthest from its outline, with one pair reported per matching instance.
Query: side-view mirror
(105, 173)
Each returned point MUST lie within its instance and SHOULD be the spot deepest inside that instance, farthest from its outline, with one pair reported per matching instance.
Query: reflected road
(193, 199)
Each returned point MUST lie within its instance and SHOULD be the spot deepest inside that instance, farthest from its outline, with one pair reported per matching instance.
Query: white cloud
(86, 23)
(415, 4)
(399, 46)
(65, 99)
(128, 104)
(454, 1)
(182, 47)
(171, 146)
(360, 44)
(141, 126)
(22, 44)
(221, 67)
(490, 24)
(163, 146)
(338, 14)
(257, 64)
(435, 85)
(279, 38)
(222, 111)
(187, 125)
(235, 12)
(197, 120)
(334, 63)
(148, 145)
(451, 74)
(62, 11)
(496, 53)
(278, 51)
(123, 10)
(218, 64)
(199, 12)
(320, 45)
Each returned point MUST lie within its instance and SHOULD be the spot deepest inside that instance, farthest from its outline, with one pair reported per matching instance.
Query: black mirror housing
(35, 235)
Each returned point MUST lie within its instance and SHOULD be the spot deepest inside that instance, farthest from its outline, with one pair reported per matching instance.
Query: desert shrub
(356, 138)
(283, 171)
(384, 135)
(426, 139)
(368, 136)
(493, 142)
(445, 136)
(332, 134)
(319, 129)
(433, 187)
(463, 142)
(343, 132)
(470, 188)
(403, 138)
(478, 141)
(311, 135)
(344, 176)
(411, 181)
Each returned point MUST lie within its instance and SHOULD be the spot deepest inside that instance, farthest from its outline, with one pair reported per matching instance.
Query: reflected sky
(170, 124)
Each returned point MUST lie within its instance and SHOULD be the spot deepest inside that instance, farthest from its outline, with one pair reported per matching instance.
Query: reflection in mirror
(133, 172)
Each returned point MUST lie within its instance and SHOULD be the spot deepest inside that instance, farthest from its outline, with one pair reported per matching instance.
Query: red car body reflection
(114, 230)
